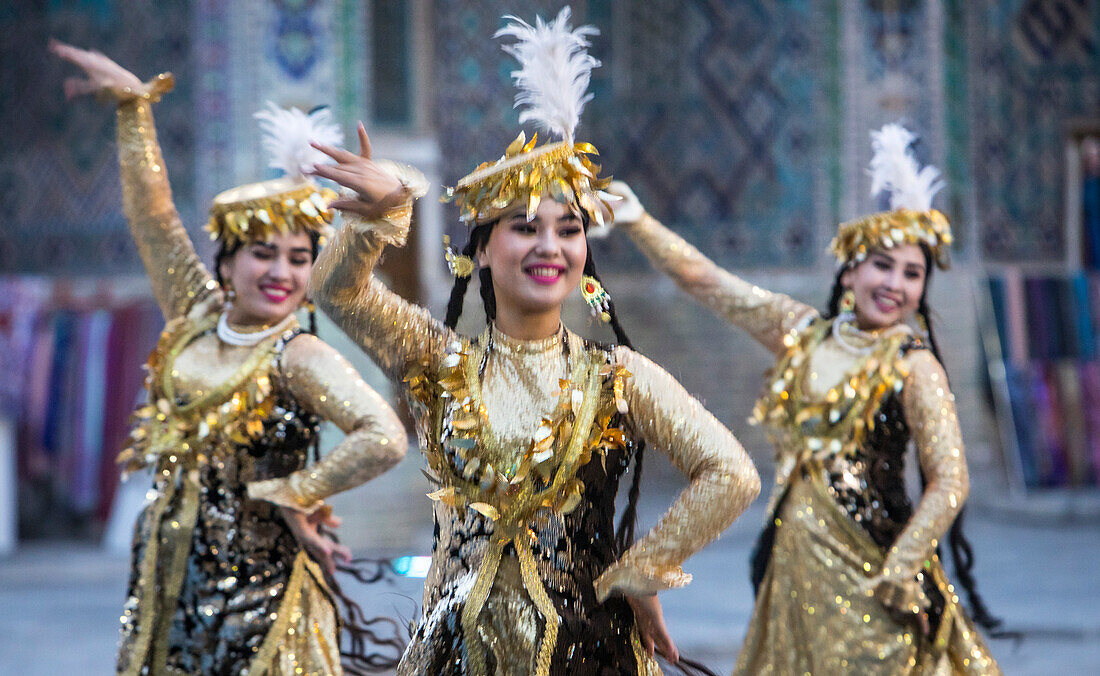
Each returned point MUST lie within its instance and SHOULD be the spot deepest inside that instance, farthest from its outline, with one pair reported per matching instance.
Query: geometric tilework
(290, 53)
(711, 111)
(1040, 65)
(957, 166)
(58, 167)
(891, 70)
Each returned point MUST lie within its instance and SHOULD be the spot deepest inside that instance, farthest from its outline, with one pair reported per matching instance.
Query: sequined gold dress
(219, 585)
(526, 442)
(846, 565)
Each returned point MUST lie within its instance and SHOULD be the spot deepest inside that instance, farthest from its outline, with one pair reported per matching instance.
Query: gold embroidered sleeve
(930, 411)
(392, 331)
(767, 316)
(177, 275)
(327, 385)
(723, 480)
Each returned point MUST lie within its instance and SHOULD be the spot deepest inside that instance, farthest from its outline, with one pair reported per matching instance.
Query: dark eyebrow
(267, 245)
(301, 249)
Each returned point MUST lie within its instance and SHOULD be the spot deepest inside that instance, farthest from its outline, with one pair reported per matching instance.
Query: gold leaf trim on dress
(158, 593)
(473, 472)
(839, 422)
(303, 572)
(233, 412)
(177, 538)
(145, 588)
(166, 434)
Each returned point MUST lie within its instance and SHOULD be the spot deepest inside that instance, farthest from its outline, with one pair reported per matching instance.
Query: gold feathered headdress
(292, 203)
(912, 220)
(555, 68)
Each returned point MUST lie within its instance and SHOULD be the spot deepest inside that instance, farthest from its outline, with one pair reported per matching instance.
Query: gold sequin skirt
(814, 616)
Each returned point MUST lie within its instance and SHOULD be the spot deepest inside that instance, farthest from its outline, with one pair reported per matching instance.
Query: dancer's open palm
(377, 189)
(100, 72)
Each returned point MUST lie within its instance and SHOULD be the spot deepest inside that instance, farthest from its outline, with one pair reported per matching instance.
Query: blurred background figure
(744, 124)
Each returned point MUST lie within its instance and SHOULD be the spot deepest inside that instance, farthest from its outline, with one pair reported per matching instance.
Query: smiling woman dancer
(225, 582)
(847, 572)
(528, 428)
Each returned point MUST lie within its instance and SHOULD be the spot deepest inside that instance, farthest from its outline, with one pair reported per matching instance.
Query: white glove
(627, 210)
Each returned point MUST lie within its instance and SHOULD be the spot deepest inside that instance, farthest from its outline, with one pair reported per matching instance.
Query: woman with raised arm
(229, 566)
(847, 572)
(528, 428)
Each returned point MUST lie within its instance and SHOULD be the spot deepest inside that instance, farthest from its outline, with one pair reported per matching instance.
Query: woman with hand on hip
(528, 428)
(231, 574)
(847, 571)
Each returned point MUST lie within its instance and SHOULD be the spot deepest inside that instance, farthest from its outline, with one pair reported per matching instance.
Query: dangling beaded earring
(848, 301)
(459, 265)
(597, 297)
(230, 293)
(308, 305)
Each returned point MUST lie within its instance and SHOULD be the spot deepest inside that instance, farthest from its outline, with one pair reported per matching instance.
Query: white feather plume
(555, 68)
(895, 170)
(287, 133)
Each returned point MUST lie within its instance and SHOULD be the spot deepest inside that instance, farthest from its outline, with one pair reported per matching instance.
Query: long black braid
(962, 553)
(479, 236)
(624, 534)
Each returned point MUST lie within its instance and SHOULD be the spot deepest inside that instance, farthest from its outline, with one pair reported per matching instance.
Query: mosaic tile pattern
(711, 110)
(58, 168)
(1040, 65)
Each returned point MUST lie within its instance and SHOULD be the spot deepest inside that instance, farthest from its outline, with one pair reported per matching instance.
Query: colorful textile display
(1047, 326)
(72, 375)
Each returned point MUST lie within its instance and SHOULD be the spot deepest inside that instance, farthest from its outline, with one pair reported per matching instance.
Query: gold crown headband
(856, 239)
(258, 211)
(525, 174)
(895, 170)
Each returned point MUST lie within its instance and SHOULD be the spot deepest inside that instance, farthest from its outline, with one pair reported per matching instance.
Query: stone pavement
(59, 604)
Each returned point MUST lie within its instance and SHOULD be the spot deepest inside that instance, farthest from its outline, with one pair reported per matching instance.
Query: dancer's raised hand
(377, 188)
(101, 73)
(628, 209)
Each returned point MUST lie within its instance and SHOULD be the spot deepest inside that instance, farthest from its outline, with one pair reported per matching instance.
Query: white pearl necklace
(847, 318)
(231, 336)
(838, 336)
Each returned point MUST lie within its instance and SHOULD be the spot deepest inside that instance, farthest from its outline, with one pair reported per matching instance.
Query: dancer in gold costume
(847, 571)
(528, 428)
(229, 567)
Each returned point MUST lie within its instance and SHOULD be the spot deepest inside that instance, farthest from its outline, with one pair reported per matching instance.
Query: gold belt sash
(511, 527)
